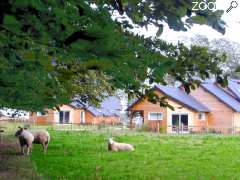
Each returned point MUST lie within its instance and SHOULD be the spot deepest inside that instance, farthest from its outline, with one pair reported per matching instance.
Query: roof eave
(176, 100)
(220, 99)
(157, 88)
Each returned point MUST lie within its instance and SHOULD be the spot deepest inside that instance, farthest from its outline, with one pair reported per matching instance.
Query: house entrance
(137, 118)
(180, 123)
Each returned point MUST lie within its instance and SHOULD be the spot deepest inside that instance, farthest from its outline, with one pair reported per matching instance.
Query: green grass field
(84, 155)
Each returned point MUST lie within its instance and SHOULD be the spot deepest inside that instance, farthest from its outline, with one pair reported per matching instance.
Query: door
(175, 122)
(138, 119)
(180, 123)
(184, 123)
(64, 117)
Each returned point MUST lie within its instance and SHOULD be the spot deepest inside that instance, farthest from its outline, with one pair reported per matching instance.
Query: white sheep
(26, 138)
(116, 146)
(41, 137)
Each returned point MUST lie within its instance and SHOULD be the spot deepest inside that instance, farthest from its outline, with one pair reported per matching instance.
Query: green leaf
(12, 23)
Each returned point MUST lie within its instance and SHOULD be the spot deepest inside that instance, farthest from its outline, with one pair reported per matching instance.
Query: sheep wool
(116, 146)
(25, 139)
(41, 137)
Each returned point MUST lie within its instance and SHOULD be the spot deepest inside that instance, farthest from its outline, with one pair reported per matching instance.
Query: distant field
(84, 155)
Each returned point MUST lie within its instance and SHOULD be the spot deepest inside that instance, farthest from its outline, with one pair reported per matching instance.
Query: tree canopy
(53, 51)
(232, 49)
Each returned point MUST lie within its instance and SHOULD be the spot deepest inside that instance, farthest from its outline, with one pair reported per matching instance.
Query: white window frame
(180, 114)
(41, 114)
(64, 120)
(201, 116)
(161, 116)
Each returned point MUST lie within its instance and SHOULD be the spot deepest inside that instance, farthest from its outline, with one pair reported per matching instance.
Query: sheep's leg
(22, 150)
(44, 148)
(28, 148)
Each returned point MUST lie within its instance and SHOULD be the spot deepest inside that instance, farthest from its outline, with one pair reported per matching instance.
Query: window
(82, 117)
(154, 116)
(64, 117)
(201, 116)
(41, 113)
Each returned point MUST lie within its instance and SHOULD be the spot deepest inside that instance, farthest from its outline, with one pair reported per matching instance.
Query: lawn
(84, 155)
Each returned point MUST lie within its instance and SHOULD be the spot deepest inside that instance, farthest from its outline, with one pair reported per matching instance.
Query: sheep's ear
(25, 128)
(19, 127)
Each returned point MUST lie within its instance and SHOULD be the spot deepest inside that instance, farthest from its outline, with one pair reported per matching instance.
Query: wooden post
(207, 125)
(158, 126)
(1, 132)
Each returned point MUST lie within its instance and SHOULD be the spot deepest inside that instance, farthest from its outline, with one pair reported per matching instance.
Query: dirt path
(12, 164)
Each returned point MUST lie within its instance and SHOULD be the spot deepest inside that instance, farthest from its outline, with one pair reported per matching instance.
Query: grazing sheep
(115, 146)
(41, 137)
(25, 139)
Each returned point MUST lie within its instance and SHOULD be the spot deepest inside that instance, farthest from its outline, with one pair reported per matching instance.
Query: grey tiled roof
(229, 96)
(234, 87)
(183, 98)
(111, 106)
(222, 95)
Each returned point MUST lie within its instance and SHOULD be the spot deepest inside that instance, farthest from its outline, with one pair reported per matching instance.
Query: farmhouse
(77, 112)
(188, 112)
(209, 107)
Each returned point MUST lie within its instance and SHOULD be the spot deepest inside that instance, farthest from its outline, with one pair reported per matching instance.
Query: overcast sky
(232, 20)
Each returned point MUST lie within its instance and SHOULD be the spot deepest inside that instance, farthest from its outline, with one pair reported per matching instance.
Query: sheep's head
(19, 131)
(110, 140)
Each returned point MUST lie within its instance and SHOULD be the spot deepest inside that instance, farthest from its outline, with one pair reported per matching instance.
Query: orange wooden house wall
(221, 116)
(148, 107)
(51, 117)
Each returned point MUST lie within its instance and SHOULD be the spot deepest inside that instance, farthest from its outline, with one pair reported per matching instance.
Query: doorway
(180, 123)
(138, 118)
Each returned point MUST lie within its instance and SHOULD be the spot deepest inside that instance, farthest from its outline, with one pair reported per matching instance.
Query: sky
(232, 20)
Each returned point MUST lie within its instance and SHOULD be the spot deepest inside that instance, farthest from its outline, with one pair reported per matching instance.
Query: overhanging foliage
(52, 51)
